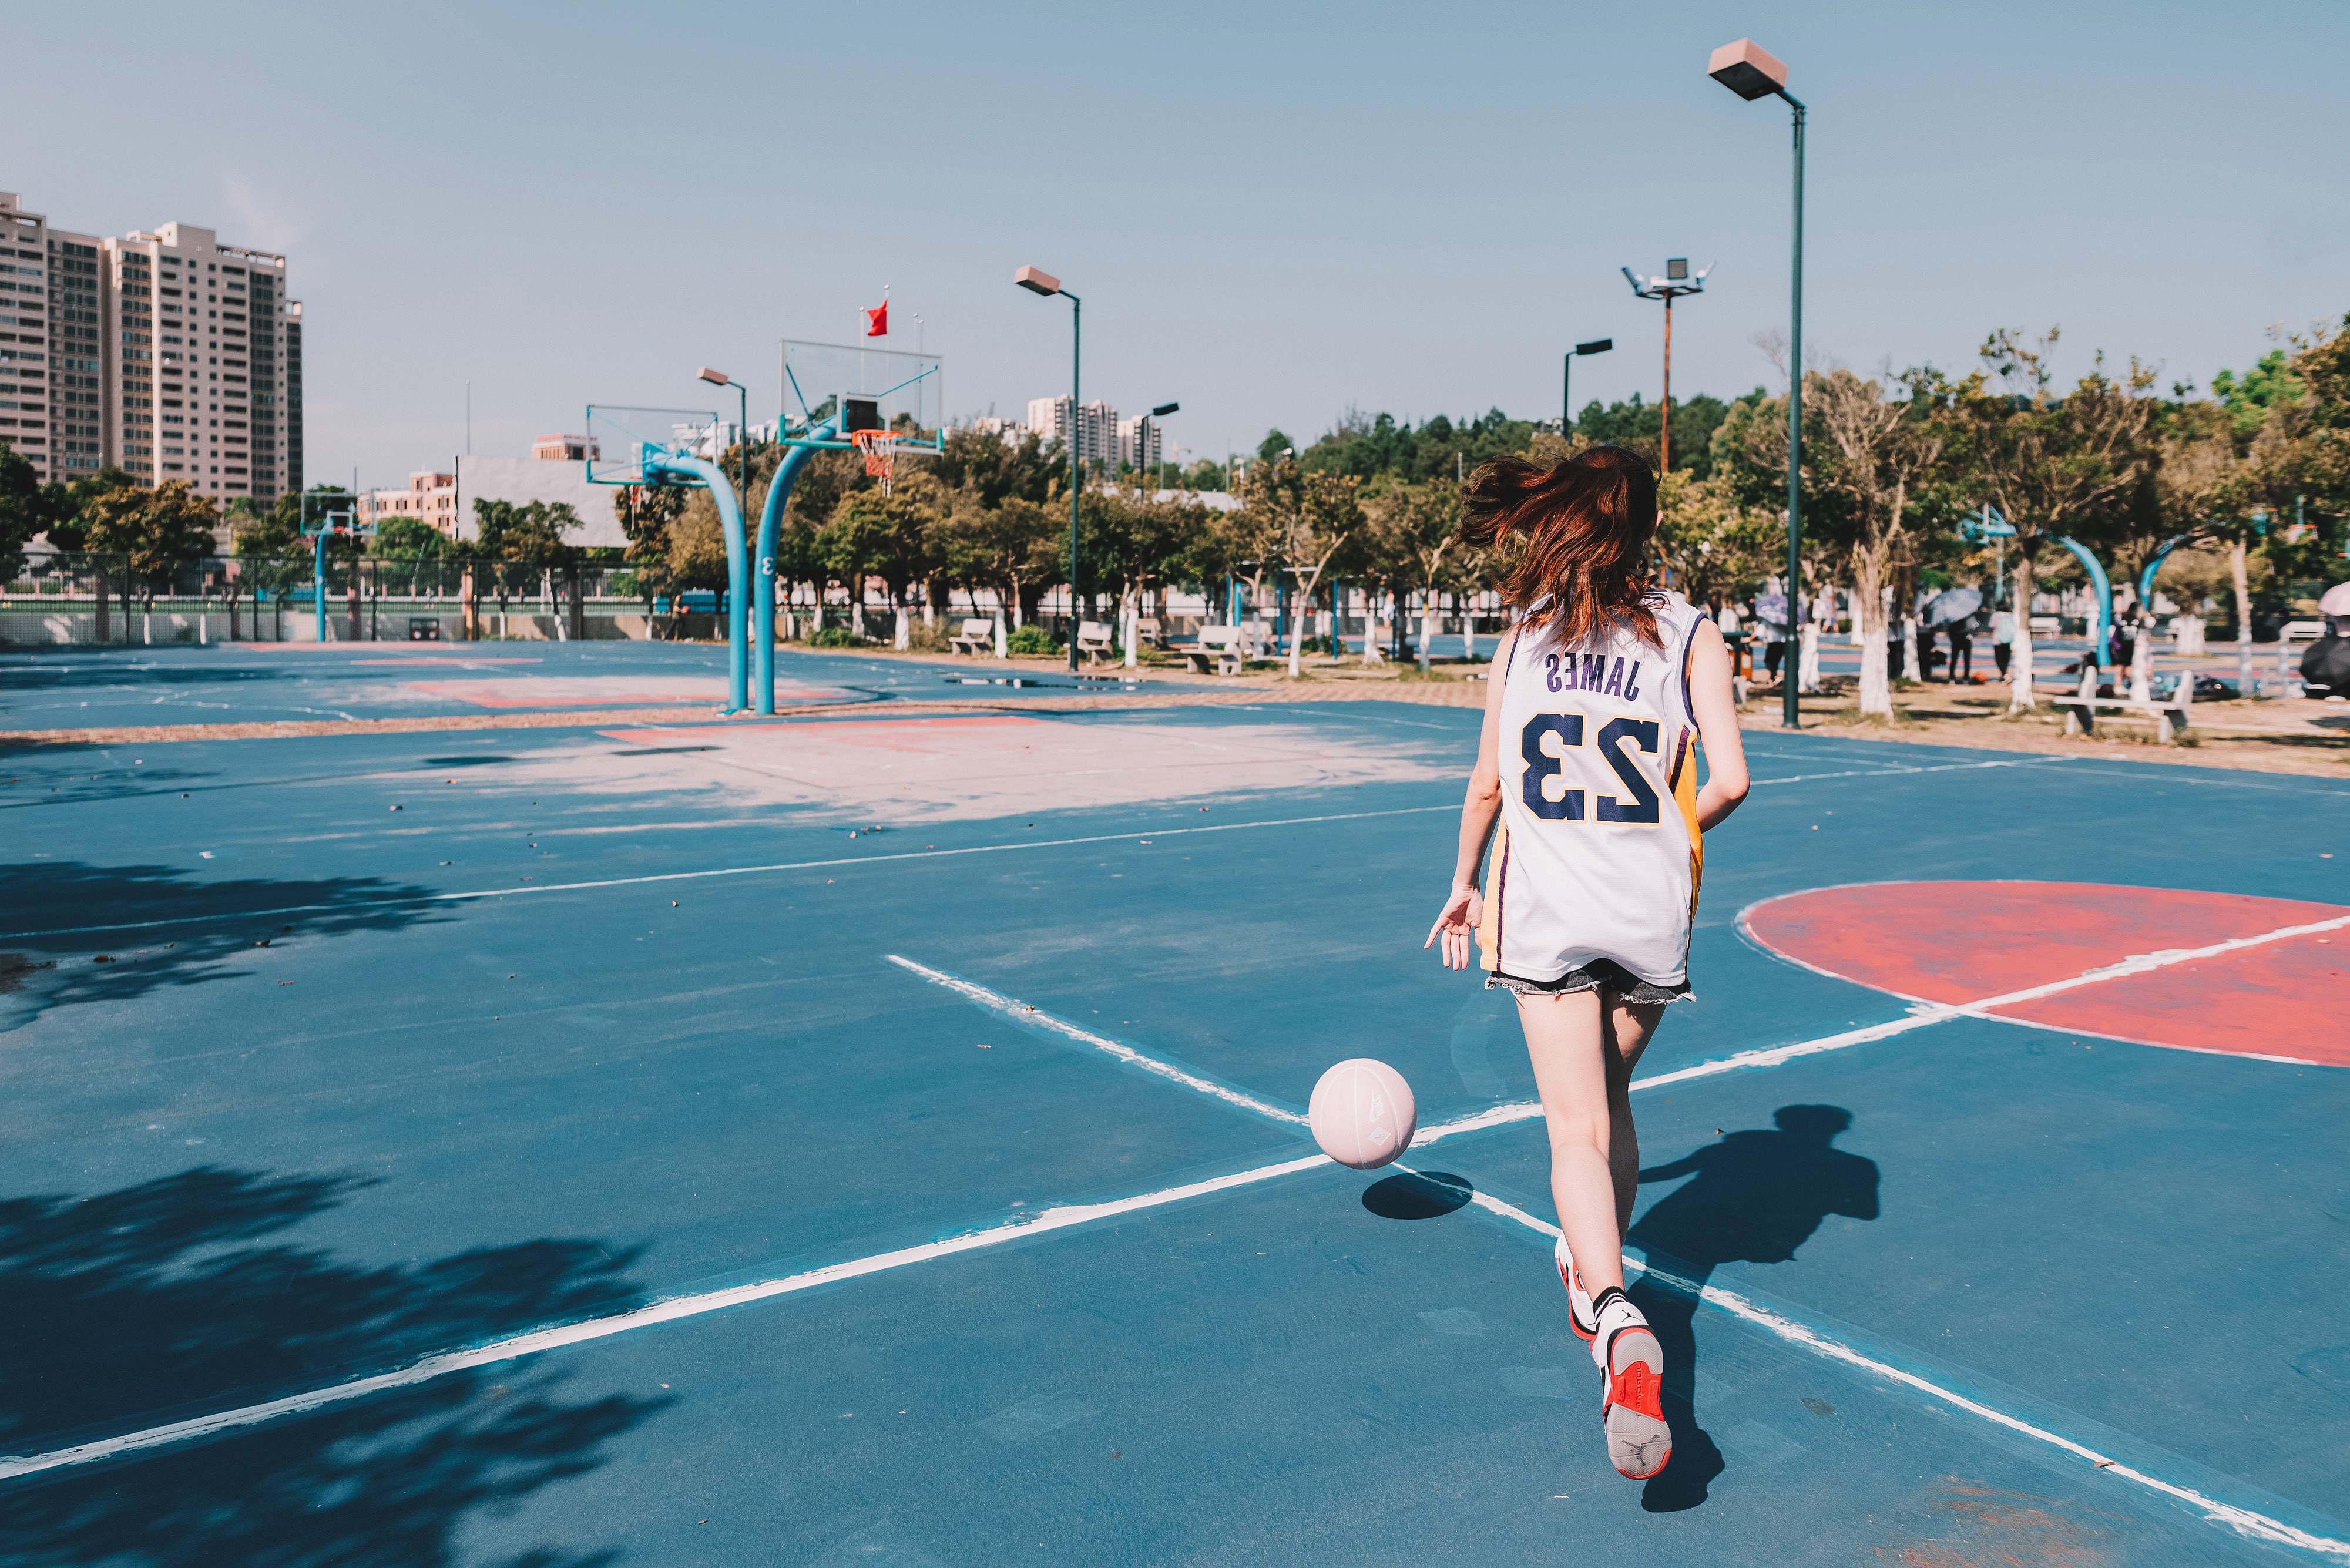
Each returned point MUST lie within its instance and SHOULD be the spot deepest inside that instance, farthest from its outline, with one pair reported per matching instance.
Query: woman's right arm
(1456, 924)
(1713, 703)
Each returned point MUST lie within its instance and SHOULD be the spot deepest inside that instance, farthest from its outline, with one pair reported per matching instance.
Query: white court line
(424, 899)
(675, 1309)
(1923, 768)
(1021, 1013)
(1925, 1016)
(2243, 1521)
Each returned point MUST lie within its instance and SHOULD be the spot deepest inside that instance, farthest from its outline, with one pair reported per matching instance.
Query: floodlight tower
(1750, 71)
(1676, 284)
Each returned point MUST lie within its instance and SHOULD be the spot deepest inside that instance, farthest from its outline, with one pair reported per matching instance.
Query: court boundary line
(1045, 1222)
(726, 871)
(711, 873)
(2244, 1521)
(1021, 1013)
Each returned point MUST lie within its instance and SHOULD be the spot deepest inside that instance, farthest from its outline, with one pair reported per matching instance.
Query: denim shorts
(1599, 974)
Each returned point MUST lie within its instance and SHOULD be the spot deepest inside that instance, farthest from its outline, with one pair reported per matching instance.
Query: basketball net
(880, 450)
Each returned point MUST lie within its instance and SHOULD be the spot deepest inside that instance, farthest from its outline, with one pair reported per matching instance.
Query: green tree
(2054, 464)
(1411, 541)
(1308, 519)
(28, 508)
(157, 533)
(521, 542)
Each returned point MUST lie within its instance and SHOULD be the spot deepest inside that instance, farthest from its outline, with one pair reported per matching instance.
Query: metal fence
(86, 597)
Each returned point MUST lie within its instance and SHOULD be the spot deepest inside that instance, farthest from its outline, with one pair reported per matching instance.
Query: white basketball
(1362, 1113)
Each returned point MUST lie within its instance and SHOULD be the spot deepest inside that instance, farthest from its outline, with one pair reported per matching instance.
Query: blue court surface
(877, 1140)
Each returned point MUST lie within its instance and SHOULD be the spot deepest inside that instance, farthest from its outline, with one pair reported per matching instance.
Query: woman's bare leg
(1564, 1040)
(1631, 1025)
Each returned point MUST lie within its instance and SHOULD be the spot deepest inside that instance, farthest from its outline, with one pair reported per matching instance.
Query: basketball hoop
(880, 450)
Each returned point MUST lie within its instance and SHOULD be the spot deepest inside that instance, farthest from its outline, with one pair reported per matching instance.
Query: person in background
(1963, 649)
(2003, 639)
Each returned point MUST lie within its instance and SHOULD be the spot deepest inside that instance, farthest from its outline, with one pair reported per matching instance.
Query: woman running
(1587, 760)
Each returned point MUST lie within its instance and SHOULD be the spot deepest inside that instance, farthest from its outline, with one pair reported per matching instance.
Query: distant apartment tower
(166, 353)
(560, 448)
(1139, 441)
(1095, 425)
(431, 497)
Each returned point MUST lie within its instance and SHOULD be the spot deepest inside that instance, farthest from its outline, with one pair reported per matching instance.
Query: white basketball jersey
(1598, 852)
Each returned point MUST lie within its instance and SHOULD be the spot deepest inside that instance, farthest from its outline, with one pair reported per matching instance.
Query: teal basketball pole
(318, 577)
(771, 522)
(730, 522)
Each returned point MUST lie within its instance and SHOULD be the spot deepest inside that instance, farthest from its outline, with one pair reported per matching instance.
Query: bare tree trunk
(2240, 578)
(1868, 612)
(1426, 626)
(2019, 670)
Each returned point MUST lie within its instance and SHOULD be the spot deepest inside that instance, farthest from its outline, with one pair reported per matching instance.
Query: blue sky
(1273, 212)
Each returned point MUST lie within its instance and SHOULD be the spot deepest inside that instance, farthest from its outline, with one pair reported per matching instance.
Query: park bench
(2168, 715)
(1149, 631)
(1094, 641)
(1220, 651)
(977, 638)
(2046, 626)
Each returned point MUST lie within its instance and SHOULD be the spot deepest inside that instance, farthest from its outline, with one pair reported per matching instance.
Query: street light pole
(1566, 379)
(1748, 69)
(1038, 281)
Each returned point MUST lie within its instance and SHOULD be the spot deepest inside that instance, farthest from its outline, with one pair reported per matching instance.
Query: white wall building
(1139, 444)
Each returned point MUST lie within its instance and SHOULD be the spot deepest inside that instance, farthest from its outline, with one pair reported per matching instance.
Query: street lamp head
(1036, 280)
(1705, 269)
(1164, 409)
(1748, 69)
(1677, 269)
(1639, 285)
(715, 378)
(1596, 346)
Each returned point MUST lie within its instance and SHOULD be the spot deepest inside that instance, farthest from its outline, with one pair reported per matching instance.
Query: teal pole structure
(1791, 714)
(2154, 565)
(763, 597)
(1036, 280)
(1750, 71)
(2101, 635)
(729, 524)
(1076, 462)
(318, 580)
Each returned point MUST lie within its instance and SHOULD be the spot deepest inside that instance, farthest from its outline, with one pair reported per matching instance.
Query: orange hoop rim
(866, 440)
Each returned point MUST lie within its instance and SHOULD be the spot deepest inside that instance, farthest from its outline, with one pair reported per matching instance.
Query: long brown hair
(1587, 524)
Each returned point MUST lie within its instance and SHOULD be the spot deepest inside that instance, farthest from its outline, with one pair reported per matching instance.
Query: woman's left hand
(1457, 925)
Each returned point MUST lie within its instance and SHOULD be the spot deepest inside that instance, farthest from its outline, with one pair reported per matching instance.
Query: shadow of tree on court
(184, 1296)
(211, 924)
(1754, 1197)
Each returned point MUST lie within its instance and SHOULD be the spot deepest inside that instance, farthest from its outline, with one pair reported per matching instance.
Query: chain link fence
(67, 598)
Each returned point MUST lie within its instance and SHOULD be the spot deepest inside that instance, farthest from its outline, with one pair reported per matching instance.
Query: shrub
(837, 637)
(1033, 640)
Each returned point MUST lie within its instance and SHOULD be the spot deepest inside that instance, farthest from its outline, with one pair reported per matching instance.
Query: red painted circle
(1968, 942)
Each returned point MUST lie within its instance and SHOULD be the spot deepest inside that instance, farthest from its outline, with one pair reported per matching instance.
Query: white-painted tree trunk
(1876, 685)
(2020, 697)
(1468, 632)
(1001, 650)
(1427, 627)
(857, 612)
(2239, 578)
(902, 638)
(1910, 670)
(1133, 629)
(2142, 663)
(1371, 627)
(1807, 670)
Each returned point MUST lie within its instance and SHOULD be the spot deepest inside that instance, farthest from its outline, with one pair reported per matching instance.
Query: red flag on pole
(877, 321)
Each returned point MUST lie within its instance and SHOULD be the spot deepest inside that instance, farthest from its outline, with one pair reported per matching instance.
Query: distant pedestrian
(2003, 639)
(1963, 649)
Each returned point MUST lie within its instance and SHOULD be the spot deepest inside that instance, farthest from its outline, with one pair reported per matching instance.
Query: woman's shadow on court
(1754, 1197)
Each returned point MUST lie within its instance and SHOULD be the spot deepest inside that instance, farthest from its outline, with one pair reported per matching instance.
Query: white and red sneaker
(1579, 1315)
(1631, 1404)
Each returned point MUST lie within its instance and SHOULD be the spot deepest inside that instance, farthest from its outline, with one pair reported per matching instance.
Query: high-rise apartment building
(1139, 441)
(166, 353)
(1095, 426)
